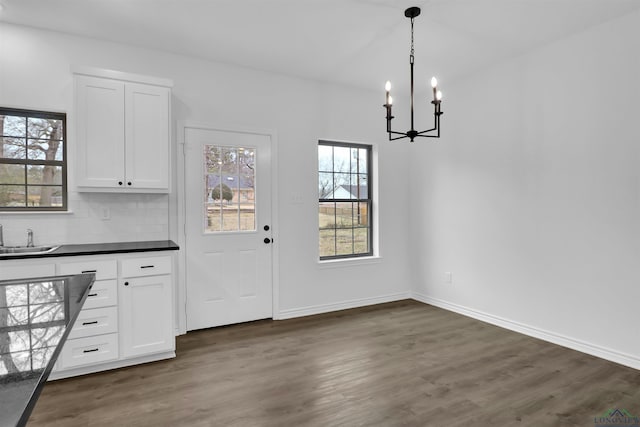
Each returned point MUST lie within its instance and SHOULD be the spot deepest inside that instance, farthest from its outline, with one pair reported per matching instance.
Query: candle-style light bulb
(438, 96)
(387, 87)
(390, 101)
(434, 86)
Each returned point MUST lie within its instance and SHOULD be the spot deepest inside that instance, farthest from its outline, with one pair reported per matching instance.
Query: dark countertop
(101, 248)
(36, 316)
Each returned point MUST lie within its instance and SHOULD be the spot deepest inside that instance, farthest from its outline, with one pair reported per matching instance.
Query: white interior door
(228, 253)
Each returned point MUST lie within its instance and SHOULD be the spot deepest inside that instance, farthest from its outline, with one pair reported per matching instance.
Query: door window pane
(229, 197)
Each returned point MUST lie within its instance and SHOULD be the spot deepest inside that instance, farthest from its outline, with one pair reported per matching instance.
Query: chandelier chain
(412, 51)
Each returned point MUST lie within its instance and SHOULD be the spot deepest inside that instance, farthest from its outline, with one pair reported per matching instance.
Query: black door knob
(267, 240)
(266, 228)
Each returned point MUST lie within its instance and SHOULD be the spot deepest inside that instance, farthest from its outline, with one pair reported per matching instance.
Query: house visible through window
(33, 170)
(344, 187)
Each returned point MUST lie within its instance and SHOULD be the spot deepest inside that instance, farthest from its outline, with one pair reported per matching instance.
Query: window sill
(349, 262)
(20, 213)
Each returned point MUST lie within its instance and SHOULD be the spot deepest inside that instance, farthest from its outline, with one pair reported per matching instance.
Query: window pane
(361, 240)
(12, 196)
(327, 213)
(49, 129)
(214, 222)
(14, 125)
(325, 185)
(344, 215)
(342, 186)
(46, 292)
(13, 148)
(230, 218)
(341, 159)
(12, 174)
(41, 196)
(325, 158)
(213, 158)
(344, 242)
(42, 149)
(362, 160)
(47, 175)
(362, 215)
(47, 312)
(248, 217)
(327, 243)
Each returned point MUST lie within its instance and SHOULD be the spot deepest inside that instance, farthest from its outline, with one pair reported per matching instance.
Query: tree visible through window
(33, 171)
(344, 187)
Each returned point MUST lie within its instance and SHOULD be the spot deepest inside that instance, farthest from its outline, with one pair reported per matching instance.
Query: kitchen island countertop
(36, 316)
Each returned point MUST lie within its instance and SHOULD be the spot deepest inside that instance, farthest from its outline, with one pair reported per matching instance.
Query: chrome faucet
(1, 238)
(29, 238)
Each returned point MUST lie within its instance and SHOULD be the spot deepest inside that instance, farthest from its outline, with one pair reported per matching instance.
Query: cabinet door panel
(100, 124)
(146, 315)
(147, 136)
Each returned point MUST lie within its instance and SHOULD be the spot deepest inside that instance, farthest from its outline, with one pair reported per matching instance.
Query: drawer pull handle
(95, 322)
(92, 295)
(147, 266)
(89, 271)
(90, 351)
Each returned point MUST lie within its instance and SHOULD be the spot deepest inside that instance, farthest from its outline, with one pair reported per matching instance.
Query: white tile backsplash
(132, 217)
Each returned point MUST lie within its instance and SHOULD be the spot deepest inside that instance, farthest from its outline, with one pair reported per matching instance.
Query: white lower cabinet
(127, 317)
(144, 305)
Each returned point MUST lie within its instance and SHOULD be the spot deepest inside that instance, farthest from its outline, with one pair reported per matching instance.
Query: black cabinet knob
(119, 182)
(126, 283)
(129, 183)
(266, 228)
(267, 240)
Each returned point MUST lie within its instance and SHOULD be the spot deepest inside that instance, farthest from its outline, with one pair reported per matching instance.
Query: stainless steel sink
(26, 250)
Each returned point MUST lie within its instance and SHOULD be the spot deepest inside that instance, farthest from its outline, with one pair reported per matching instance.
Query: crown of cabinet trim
(120, 75)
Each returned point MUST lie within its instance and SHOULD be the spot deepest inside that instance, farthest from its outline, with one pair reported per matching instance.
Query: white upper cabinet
(123, 133)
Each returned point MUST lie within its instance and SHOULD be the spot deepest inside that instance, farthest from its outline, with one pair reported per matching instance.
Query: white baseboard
(552, 337)
(343, 305)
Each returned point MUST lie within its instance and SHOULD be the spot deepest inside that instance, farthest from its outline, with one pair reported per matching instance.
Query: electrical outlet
(448, 277)
(105, 213)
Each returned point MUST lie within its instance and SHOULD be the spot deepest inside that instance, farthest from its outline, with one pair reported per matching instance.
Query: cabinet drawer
(104, 269)
(89, 350)
(150, 266)
(25, 271)
(95, 321)
(103, 293)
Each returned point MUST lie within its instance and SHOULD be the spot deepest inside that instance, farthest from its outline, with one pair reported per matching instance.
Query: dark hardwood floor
(396, 364)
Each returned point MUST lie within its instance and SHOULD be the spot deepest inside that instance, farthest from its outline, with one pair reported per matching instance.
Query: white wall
(35, 73)
(532, 197)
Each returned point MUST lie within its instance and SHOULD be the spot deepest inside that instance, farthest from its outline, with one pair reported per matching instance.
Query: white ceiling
(355, 42)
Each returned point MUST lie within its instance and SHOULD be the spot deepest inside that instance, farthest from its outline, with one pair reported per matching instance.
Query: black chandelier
(434, 132)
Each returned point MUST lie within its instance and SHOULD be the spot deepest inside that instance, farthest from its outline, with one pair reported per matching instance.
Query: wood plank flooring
(397, 364)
